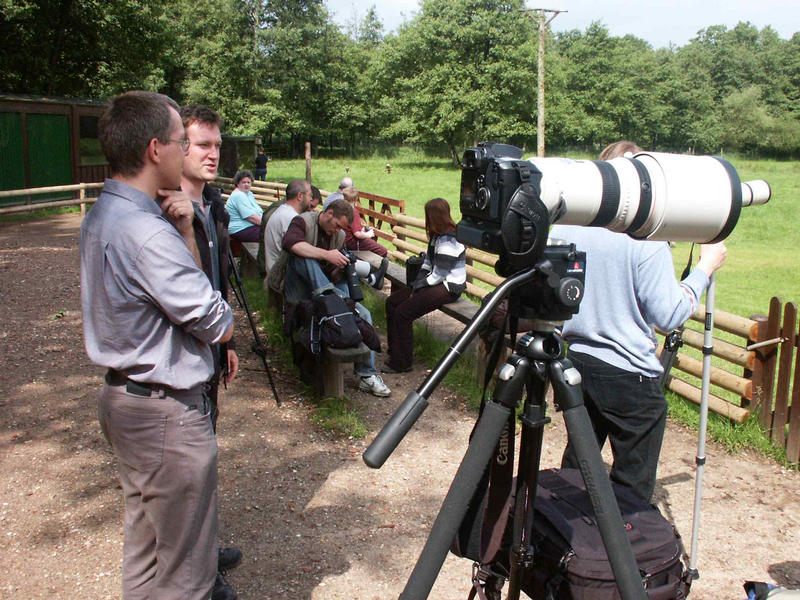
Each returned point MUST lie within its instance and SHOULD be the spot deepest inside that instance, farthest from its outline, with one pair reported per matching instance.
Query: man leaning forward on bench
(314, 265)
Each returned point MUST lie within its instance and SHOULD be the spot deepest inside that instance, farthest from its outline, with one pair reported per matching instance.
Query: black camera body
(502, 213)
(490, 175)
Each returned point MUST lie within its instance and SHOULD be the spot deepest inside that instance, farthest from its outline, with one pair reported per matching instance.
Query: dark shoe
(387, 368)
(228, 558)
(380, 273)
(222, 590)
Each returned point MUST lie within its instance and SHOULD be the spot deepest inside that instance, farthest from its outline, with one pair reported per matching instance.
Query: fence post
(765, 361)
(793, 442)
(82, 196)
(781, 414)
(308, 162)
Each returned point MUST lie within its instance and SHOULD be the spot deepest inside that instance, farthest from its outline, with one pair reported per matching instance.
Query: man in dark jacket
(211, 232)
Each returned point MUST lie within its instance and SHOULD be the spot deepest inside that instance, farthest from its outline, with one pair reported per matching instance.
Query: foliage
(460, 71)
(89, 48)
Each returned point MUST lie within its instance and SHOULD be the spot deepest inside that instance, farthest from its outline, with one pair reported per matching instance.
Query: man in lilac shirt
(150, 317)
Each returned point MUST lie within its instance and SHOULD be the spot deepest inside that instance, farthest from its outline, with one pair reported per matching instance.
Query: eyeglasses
(184, 143)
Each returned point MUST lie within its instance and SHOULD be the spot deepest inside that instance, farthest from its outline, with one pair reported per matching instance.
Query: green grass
(39, 213)
(415, 177)
(732, 437)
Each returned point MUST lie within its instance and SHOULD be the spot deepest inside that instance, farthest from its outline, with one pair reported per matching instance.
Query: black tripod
(536, 363)
(257, 346)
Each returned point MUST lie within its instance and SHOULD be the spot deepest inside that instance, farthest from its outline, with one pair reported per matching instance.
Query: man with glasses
(211, 234)
(151, 318)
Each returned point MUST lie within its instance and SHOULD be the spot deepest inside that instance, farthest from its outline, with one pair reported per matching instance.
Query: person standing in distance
(210, 226)
(630, 287)
(261, 165)
(150, 317)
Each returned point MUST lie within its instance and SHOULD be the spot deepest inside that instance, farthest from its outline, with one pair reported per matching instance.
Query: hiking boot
(222, 590)
(228, 559)
(379, 274)
(374, 385)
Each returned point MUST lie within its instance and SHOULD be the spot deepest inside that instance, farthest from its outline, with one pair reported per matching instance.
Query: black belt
(137, 388)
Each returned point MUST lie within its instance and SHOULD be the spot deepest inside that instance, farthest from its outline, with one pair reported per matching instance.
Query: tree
(461, 71)
(88, 48)
(609, 89)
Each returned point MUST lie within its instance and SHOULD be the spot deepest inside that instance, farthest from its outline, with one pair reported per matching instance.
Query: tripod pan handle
(395, 430)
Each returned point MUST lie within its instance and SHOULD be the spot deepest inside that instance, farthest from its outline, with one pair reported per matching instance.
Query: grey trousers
(167, 456)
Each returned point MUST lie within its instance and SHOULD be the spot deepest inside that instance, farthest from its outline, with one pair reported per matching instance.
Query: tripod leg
(530, 451)
(481, 448)
(258, 347)
(568, 396)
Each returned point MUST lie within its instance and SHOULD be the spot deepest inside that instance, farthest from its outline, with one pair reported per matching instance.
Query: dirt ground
(312, 520)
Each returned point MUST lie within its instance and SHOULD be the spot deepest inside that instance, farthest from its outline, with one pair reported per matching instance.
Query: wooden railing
(265, 192)
(77, 190)
(776, 374)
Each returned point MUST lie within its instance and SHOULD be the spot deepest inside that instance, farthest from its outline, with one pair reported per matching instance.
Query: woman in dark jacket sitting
(441, 280)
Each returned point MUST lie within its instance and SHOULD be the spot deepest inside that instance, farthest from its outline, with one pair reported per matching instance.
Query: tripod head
(549, 291)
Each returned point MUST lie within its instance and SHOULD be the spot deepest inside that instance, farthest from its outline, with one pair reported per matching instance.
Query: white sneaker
(374, 385)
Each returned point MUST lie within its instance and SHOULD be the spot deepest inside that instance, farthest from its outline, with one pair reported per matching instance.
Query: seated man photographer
(314, 264)
(630, 287)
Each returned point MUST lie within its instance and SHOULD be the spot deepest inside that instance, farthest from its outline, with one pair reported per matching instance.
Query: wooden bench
(247, 253)
(333, 362)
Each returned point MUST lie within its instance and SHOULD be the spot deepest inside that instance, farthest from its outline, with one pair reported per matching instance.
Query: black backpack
(333, 323)
(570, 559)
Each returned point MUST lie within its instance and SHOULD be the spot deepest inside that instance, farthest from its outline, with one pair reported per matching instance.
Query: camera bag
(333, 323)
(570, 559)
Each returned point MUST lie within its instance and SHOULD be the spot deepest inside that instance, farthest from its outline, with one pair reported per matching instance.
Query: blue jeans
(305, 279)
(630, 411)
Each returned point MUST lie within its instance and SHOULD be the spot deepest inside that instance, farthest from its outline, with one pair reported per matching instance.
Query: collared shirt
(148, 310)
(207, 219)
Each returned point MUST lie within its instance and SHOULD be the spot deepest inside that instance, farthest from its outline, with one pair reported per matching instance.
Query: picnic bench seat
(333, 362)
(246, 252)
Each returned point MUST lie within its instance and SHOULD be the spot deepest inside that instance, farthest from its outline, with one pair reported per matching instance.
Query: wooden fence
(82, 194)
(761, 369)
(777, 391)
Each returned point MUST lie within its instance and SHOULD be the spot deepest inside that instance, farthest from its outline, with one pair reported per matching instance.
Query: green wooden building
(49, 141)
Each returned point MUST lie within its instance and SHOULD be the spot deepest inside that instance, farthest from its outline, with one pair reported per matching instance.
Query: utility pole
(544, 21)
